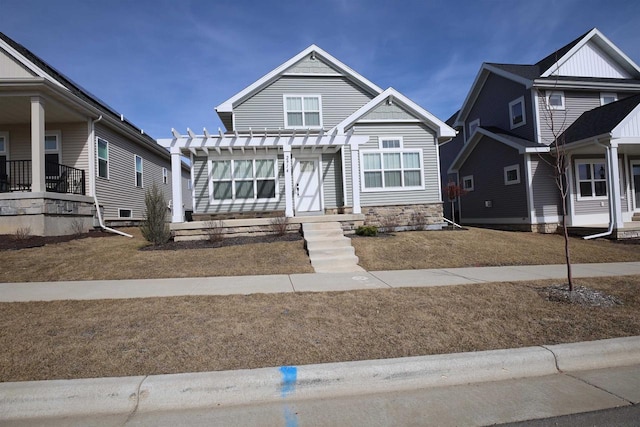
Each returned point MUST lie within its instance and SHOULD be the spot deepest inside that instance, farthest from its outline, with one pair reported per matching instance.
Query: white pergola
(251, 141)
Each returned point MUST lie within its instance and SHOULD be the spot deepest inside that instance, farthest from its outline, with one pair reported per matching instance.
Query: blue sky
(167, 63)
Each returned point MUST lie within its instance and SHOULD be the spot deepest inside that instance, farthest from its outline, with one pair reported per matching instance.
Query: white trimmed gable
(316, 66)
(629, 127)
(388, 111)
(10, 68)
(592, 61)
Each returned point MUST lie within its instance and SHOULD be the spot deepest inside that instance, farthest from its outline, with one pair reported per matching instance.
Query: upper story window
(467, 183)
(517, 114)
(138, 165)
(103, 158)
(390, 142)
(244, 179)
(608, 98)
(591, 176)
(512, 175)
(303, 111)
(473, 125)
(555, 100)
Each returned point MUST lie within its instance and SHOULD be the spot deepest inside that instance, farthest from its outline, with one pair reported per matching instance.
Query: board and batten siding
(492, 106)
(486, 164)
(201, 186)
(546, 195)
(119, 191)
(557, 121)
(414, 136)
(265, 109)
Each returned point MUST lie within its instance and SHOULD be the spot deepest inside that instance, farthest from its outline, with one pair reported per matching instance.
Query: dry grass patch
(76, 339)
(481, 247)
(117, 257)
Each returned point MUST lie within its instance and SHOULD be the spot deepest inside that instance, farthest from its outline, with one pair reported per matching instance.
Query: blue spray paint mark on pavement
(289, 378)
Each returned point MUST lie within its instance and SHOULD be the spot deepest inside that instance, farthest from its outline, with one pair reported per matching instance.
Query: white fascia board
(227, 106)
(604, 43)
(442, 129)
(592, 140)
(585, 84)
(537, 150)
(28, 64)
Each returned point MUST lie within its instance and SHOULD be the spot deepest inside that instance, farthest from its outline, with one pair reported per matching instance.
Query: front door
(635, 179)
(306, 178)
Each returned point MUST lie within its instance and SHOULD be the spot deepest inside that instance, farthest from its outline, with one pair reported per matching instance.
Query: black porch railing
(15, 175)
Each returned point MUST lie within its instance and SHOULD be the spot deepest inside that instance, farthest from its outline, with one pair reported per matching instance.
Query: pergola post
(288, 181)
(177, 212)
(37, 145)
(614, 178)
(355, 177)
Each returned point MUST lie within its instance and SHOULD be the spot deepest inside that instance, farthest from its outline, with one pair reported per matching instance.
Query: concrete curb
(123, 396)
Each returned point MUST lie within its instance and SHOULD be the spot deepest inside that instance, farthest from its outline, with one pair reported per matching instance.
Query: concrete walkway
(465, 389)
(309, 282)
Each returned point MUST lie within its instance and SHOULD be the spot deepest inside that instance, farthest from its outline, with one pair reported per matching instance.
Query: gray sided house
(580, 99)
(315, 138)
(63, 152)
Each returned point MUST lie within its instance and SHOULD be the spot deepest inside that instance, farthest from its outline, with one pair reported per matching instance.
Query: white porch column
(288, 182)
(37, 145)
(177, 209)
(355, 177)
(616, 206)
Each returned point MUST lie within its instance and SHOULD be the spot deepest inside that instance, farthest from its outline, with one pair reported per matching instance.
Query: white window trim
(301, 95)
(98, 139)
(578, 180)
(122, 209)
(363, 189)
(5, 136)
(562, 99)
(508, 169)
(524, 113)
(165, 176)
(470, 178)
(213, 201)
(605, 94)
(390, 138)
(135, 171)
(473, 123)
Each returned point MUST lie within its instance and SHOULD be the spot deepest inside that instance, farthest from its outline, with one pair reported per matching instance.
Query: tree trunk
(567, 254)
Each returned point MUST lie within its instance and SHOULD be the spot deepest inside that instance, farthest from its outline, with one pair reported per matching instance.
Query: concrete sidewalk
(465, 389)
(311, 282)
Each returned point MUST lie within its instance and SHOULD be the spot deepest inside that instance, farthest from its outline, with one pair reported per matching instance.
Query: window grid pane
(239, 179)
(373, 180)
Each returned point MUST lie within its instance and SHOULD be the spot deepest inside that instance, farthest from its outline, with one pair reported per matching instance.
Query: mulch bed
(226, 241)
(11, 242)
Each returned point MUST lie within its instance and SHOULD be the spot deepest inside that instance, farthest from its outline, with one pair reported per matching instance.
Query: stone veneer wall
(45, 214)
(404, 216)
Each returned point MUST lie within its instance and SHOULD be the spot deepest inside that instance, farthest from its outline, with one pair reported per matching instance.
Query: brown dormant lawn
(79, 339)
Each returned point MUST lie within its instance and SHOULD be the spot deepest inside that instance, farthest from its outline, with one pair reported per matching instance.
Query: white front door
(306, 178)
(635, 180)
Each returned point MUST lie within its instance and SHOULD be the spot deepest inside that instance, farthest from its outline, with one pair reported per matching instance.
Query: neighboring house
(313, 137)
(585, 93)
(63, 152)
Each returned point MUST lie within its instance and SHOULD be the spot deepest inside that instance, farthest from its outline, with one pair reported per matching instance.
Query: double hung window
(244, 179)
(103, 158)
(138, 166)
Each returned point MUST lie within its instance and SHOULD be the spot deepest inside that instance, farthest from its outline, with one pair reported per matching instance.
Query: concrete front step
(329, 251)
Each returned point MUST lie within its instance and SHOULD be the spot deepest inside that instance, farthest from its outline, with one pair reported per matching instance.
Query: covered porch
(278, 170)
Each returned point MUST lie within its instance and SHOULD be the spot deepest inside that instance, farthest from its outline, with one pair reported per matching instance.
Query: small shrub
(388, 223)
(154, 228)
(367, 230)
(419, 220)
(279, 225)
(22, 233)
(214, 230)
(77, 227)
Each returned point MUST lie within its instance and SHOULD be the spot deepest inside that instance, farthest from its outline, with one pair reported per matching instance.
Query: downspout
(92, 181)
(610, 192)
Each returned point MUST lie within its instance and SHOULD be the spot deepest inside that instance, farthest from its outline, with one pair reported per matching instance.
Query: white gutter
(610, 192)
(92, 181)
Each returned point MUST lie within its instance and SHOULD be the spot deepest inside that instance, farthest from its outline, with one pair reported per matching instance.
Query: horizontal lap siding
(265, 109)
(556, 121)
(203, 206)
(486, 163)
(414, 135)
(598, 206)
(120, 191)
(332, 180)
(546, 195)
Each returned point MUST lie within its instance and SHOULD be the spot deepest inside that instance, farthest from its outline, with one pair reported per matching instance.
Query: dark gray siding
(546, 195)
(448, 153)
(492, 106)
(486, 163)
(120, 191)
(415, 135)
(340, 98)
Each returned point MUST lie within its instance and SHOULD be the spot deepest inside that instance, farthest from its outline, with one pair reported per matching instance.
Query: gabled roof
(228, 105)
(600, 121)
(547, 67)
(499, 135)
(443, 130)
(49, 73)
